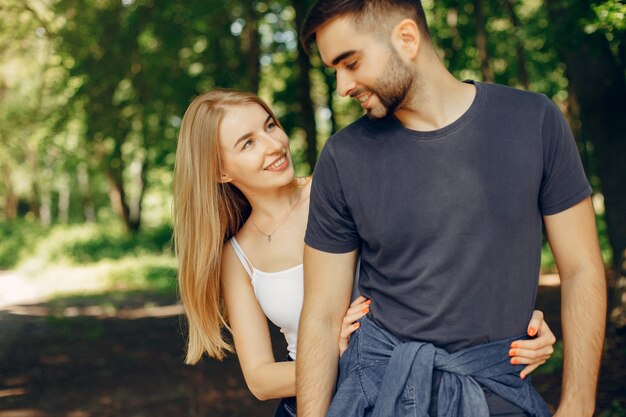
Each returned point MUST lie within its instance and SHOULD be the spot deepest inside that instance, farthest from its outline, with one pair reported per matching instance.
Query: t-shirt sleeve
(564, 183)
(330, 227)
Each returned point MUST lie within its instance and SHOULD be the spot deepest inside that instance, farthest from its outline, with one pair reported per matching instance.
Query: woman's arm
(265, 377)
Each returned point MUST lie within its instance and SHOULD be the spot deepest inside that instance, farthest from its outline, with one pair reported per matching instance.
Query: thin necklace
(269, 236)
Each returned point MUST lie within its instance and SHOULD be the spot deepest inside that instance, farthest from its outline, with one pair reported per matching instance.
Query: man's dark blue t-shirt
(448, 222)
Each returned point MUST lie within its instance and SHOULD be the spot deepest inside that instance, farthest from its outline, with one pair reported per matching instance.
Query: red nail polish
(365, 310)
(532, 331)
(511, 353)
(514, 361)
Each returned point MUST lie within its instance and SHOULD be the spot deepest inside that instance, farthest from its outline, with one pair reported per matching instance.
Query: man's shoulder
(355, 137)
(502, 95)
(353, 131)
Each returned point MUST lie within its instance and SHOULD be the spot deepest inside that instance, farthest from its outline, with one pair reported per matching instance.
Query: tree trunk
(10, 199)
(617, 302)
(117, 193)
(572, 114)
(82, 174)
(329, 80)
(63, 204)
(522, 72)
(481, 42)
(307, 115)
(598, 81)
(250, 46)
(32, 159)
(45, 208)
(140, 186)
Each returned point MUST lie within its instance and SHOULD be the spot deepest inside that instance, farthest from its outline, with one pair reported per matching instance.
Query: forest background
(91, 97)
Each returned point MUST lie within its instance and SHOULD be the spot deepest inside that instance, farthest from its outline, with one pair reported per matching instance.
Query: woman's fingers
(344, 337)
(346, 331)
(535, 323)
(545, 334)
(518, 360)
(544, 338)
(359, 300)
(349, 319)
(361, 308)
(358, 308)
(528, 369)
(535, 351)
(530, 357)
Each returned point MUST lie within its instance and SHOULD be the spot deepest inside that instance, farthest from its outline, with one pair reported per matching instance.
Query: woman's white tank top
(279, 294)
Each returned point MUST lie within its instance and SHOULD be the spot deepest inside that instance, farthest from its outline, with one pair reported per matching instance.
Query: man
(442, 190)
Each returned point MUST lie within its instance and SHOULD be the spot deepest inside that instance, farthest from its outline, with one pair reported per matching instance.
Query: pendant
(269, 238)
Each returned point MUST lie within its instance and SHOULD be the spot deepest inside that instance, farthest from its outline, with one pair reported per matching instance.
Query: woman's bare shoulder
(231, 267)
(305, 184)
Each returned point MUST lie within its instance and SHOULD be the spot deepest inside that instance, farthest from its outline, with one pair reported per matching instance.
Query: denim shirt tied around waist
(381, 377)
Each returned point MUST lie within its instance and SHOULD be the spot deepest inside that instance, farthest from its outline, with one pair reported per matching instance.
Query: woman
(239, 221)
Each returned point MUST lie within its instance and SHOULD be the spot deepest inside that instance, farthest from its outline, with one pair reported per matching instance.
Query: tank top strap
(242, 256)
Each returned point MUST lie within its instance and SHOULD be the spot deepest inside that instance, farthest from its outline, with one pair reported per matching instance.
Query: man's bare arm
(573, 239)
(328, 280)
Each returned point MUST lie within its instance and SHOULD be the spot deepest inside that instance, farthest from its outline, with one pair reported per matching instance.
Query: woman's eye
(351, 65)
(247, 144)
(271, 126)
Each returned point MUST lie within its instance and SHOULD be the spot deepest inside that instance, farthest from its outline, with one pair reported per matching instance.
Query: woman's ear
(224, 178)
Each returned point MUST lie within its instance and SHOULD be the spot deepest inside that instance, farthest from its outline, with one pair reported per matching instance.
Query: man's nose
(345, 83)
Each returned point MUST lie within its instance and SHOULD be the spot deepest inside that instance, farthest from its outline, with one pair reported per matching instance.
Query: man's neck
(437, 100)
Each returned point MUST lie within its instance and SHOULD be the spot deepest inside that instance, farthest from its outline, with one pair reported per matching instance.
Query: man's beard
(392, 88)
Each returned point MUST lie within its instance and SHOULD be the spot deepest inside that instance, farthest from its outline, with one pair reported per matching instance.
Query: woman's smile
(280, 164)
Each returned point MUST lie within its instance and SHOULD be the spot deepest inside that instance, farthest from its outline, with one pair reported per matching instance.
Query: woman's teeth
(277, 163)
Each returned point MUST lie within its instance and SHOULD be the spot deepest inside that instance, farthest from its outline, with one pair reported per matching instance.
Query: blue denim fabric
(379, 376)
(286, 408)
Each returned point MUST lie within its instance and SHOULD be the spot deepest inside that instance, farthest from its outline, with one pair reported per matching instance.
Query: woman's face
(254, 150)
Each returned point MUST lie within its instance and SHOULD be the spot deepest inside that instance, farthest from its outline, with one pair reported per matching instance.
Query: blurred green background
(92, 93)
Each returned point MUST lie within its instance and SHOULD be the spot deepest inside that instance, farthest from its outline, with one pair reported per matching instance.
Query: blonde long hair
(206, 213)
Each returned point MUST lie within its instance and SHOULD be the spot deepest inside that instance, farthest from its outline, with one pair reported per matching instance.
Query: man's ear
(224, 178)
(406, 38)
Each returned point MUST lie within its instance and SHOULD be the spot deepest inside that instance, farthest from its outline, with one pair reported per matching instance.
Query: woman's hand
(533, 352)
(359, 307)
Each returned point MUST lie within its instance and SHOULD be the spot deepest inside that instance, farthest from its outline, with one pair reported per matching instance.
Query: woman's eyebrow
(247, 135)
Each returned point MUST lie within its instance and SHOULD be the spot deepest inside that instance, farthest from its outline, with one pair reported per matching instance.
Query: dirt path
(122, 357)
(16, 289)
(108, 356)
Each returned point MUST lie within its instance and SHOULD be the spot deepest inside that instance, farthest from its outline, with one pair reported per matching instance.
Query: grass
(618, 409)
(89, 258)
(16, 241)
(89, 243)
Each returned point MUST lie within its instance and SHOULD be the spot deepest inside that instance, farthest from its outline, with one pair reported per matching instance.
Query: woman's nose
(272, 144)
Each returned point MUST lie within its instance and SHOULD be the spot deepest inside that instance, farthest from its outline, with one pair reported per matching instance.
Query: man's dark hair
(377, 16)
